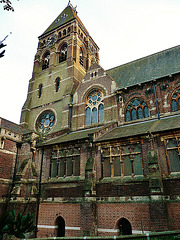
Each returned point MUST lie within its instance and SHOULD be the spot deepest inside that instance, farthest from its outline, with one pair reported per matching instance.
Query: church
(97, 152)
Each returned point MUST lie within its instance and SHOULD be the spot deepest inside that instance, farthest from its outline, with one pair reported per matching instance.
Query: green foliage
(16, 224)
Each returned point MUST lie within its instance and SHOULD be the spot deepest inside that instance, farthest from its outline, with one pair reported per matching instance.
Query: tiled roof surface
(73, 136)
(153, 126)
(148, 68)
(125, 131)
(66, 15)
(12, 126)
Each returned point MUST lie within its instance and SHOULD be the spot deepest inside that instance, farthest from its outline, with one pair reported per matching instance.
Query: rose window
(45, 122)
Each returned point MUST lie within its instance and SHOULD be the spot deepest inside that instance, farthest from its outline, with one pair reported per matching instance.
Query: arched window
(63, 53)
(45, 63)
(175, 101)
(57, 83)
(136, 109)
(40, 90)
(94, 107)
(81, 56)
(64, 32)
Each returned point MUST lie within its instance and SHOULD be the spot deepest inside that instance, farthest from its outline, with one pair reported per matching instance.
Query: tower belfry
(64, 54)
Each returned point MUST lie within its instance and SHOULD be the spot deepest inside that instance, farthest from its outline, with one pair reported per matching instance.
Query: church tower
(64, 54)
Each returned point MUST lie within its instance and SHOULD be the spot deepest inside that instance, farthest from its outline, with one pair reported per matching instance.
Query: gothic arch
(45, 59)
(62, 50)
(94, 107)
(60, 230)
(136, 108)
(124, 227)
(174, 99)
(91, 88)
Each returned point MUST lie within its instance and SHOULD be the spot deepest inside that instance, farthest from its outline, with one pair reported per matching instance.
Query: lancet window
(94, 107)
(136, 109)
(63, 53)
(65, 162)
(175, 101)
(57, 84)
(121, 160)
(81, 57)
(45, 62)
(40, 88)
(172, 147)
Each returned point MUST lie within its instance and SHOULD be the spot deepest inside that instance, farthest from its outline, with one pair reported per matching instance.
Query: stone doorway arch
(124, 227)
(60, 223)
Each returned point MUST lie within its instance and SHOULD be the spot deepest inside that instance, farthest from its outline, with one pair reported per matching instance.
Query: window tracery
(175, 101)
(65, 162)
(63, 53)
(94, 107)
(45, 121)
(121, 160)
(172, 147)
(136, 109)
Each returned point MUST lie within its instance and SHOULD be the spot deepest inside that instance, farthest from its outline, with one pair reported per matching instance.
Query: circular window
(45, 121)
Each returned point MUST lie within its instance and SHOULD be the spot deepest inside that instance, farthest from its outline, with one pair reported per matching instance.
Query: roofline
(145, 133)
(147, 81)
(143, 57)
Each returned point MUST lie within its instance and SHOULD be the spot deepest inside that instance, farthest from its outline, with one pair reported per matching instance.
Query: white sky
(124, 30)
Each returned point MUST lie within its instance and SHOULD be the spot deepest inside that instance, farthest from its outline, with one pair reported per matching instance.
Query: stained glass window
(94, 108)
(136, 109)
(175, 101)
(45, 121)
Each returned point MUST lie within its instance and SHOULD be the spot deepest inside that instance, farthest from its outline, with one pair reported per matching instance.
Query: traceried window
(172, 146)
(63, 53)
(45, 63)
(175, 101)
(136, 109)
(121, 161)
(94, 107)
(45, 121)
(65, 162)
(57, 83)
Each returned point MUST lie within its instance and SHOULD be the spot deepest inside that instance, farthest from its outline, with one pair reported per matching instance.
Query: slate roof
(125, 131)
(152, 126)
(12, 126)
(73, 136)
(67, 15)
(145, 69)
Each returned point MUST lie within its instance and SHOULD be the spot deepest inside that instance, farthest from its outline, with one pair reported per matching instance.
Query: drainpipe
(156, 99)
(70, 113)
(39, 192)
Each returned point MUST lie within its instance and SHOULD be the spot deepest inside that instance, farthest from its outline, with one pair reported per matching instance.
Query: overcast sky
(124, 30)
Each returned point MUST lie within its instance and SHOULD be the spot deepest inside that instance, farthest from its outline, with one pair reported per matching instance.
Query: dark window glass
(63, 53)
(136, 109)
